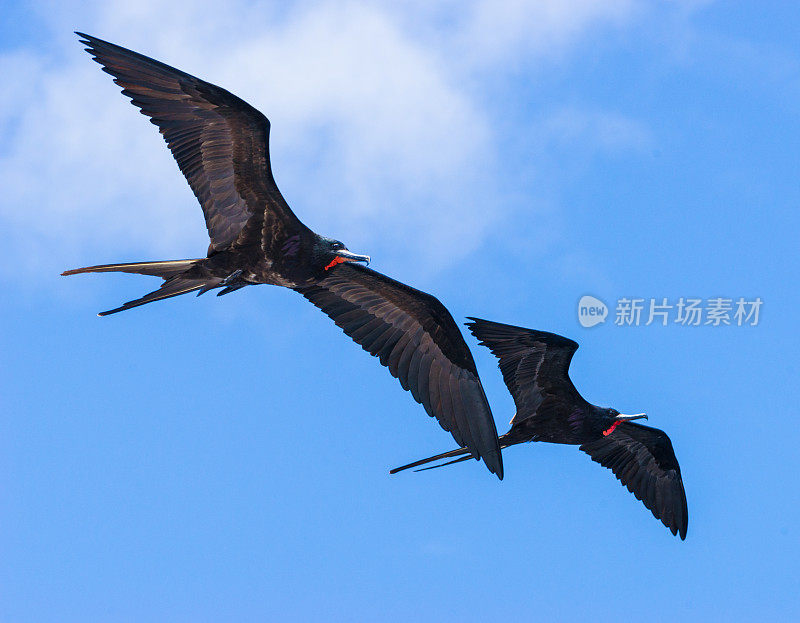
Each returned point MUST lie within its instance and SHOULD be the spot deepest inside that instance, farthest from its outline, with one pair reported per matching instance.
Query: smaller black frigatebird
(221, 145)
(535, 367)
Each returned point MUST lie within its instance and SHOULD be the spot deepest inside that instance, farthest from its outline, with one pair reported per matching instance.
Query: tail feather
(443, 455)
(458, 460)
(172, 287)
(463, 454)
(175, 273)
(165, 269)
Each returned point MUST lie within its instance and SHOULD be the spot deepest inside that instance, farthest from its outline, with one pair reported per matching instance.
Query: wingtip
(91, 43)
(473, 324)
(497, 469)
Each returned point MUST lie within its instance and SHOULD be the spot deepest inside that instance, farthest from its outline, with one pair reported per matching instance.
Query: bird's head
(327, 253)
(613, 418)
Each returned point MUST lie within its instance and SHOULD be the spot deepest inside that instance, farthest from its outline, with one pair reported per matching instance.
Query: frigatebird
(221, 145)
(535, 368)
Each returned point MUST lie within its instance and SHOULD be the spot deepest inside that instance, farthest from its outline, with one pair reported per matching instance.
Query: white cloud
(493, 33)
(376, 123)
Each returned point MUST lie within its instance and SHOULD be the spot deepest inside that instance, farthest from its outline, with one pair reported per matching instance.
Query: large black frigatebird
(221, 144)
(535, 367)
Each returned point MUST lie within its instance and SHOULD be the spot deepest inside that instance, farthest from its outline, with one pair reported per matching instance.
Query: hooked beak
(628, 418)
(347, 256)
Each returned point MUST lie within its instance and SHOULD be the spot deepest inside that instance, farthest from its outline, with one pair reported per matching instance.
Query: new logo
(591, 311)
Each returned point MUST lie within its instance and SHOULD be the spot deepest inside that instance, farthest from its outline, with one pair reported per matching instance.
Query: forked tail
(177, 275)
(463, 454)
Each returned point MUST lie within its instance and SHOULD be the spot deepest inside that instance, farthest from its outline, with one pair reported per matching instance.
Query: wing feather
(220, 142)
(534, 364)
(417, 339)
(643, 460)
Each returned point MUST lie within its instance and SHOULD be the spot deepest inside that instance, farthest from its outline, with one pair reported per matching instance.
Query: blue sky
(227, 458)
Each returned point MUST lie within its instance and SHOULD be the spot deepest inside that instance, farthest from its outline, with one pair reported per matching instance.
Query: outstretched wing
(415, 336)
(535, 364)
(220, 142)
(643, 460)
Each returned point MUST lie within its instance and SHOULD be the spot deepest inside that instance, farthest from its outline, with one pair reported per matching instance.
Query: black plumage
(221, 145)
(415, 336)
(535, 368)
